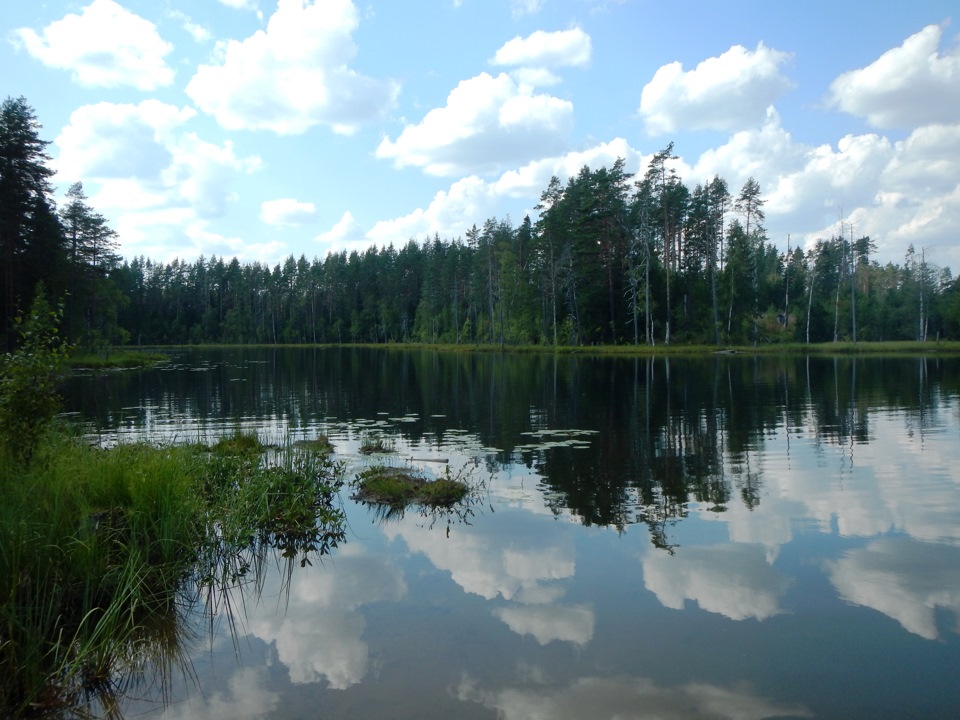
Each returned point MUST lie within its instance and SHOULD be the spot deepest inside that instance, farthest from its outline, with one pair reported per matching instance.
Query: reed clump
(102, 552)
(400, 487)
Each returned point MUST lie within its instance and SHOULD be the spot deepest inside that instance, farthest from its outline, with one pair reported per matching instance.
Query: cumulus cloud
(727, 93)
(546, 49)
(109, 142)
(346, 234)
(897, 192)
(520, 8)
(488, 122)
(249, 693)
(333, 649)
(732, 580)
(908, 86)
(106, 45)
(153, 177)
(287, 211)
(906, 580)
(621, 697)
(573, 624)
(452, 212)
(294, 75)
(197, 32)
(491, 565)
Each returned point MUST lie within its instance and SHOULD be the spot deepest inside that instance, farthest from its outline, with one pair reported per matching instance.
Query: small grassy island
(115, 360)
(401, 487)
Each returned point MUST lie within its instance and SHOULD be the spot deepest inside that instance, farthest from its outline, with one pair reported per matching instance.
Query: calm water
(715, 538)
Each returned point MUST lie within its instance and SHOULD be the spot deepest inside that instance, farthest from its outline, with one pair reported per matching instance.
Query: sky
(261, 129)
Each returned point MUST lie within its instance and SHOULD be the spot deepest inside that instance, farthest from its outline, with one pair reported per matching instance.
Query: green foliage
(610, 259)
(101, 549)
(399, 487)
(28, 376)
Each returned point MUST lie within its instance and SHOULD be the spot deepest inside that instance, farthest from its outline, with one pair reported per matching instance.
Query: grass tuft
(399, 487)
(100, 548)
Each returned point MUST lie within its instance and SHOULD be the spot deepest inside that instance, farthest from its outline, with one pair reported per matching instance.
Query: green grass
(399, 488)
(124, 360)
(100, 548)
(944, 347)
(320, 444)
(681, 349)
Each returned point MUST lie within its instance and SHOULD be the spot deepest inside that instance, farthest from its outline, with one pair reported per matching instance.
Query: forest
(611, 258)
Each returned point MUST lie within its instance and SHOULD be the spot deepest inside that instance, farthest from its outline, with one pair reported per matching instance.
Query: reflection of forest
(669, 430)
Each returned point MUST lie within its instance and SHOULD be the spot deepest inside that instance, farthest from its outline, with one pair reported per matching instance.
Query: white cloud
(897, 192)
(201, 172)
(109, 142)
(535, 76)
(287, 211)
(546, 49)
(626, 697)
(907, 86)
(532, 179)
(294, 75)
(154, 180)
(240, 4)
(450, 214)
(197, 32)
(727, 93)
(573, 624)
(525, 7)
(926, 163)
(487, 122)
(105, 45)
(249, 694)
(732, 580)
(830, 181)
(906, 580)
(333, 649)
(345, 235)
(490, 564)
(471, 200)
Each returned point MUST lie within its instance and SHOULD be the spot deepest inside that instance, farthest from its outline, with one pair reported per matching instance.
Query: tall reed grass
(103, 552)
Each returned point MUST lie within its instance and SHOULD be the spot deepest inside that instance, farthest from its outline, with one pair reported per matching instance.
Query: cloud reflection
(733, 580)
(904, 579)
(627, 697)
(320, 635)
(247, 696)
(518, 563)
(572, 624)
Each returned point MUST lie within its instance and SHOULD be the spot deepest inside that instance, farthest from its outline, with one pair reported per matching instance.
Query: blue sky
(263, 129)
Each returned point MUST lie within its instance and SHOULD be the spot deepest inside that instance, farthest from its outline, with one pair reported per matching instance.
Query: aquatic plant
(102, 552)
(375, 445)
(397, 486)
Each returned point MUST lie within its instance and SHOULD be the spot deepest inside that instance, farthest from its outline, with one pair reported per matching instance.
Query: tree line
(612, 258)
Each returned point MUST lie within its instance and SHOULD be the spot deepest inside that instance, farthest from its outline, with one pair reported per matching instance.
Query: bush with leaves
(28, 376)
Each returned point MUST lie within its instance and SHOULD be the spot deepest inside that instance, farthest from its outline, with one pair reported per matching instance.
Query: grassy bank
(103, 551)
(932, 347)
(119, 360)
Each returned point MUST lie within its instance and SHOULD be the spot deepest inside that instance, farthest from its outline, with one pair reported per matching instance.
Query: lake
(721, 537)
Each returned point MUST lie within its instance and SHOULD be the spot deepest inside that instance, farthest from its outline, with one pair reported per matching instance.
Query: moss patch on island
(400, 487)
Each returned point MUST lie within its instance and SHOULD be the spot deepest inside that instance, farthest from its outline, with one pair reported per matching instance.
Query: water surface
(726, 537)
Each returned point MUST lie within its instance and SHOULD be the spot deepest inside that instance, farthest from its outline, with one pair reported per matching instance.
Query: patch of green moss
(240, 443)
(401, 487)
(320, 444)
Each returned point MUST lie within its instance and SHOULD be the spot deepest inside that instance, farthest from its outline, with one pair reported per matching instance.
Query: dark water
(709, 538)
